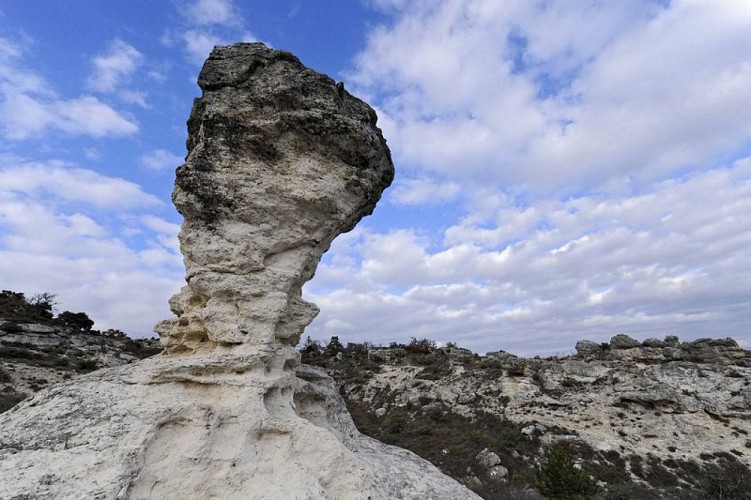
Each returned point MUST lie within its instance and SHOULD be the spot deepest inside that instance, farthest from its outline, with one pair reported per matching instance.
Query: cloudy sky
(566, 169)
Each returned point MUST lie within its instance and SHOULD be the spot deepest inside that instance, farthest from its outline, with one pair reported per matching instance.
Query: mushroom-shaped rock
(281, 160)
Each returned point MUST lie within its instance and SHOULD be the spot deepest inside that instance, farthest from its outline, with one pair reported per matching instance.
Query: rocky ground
(34, 356)
(656, 419)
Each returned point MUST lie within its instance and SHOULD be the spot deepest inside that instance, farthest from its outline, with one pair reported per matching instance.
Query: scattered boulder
(488, 459)
(652, 342)
(466, 398)
(498, 473)
(672, 341)
(585, 347)
(713, 351)
(622, 341)
(491, 463)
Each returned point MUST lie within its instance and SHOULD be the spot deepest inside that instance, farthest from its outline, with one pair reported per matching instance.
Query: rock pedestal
(281, 160)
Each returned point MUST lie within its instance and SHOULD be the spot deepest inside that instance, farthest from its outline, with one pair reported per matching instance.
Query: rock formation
(281, 160)
(656, 415)
(34, 356)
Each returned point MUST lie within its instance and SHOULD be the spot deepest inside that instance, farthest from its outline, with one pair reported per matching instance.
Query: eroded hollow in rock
(281, 159)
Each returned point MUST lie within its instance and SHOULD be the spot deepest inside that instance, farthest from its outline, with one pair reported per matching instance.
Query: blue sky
(566, 169)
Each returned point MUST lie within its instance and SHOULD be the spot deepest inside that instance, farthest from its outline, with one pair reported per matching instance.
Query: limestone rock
(654, 351)
(672, 341)
(491, 463)
(281, 160)
(584, 347)
(652, 342)
(466, 398)
(202, 426)
(498, 473)
(488, 459)
(619, 403)
(623, 342)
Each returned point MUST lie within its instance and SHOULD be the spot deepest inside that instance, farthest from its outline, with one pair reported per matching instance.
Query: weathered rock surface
(660, 413)
(202, 426)
(281, 160)
(34, 356)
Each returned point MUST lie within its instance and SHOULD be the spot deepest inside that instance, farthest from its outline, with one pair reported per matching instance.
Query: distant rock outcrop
(34, 356)
(281, 160)
(654, 419)
(706, 351)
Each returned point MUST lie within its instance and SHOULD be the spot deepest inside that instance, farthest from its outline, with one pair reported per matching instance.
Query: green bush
(15, 307)
(334, 347)
(8, 401)
(728, 479)
(558, 477)
(422, 346)
(79, 321)
(86, 365)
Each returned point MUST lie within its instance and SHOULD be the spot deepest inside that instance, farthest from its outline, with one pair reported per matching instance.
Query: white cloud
(388, 5)
(64, 220)
(136, 97)
(159, 225)
(536, 278)
(91, 154)
(63, 181)
(29, 107)
(207, 12)
(423, 191)
(115, 67)
(587, 162)
(518, 92)
(160, 159)
(89, 116)
(208, 23)
(8, 50)
(23, 117)
(198, 44)
(165, 233)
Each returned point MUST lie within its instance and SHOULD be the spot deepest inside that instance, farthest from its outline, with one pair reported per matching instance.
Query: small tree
(14, 306)
(334, 346)
(114, 333)
(422, 346)
(80, 321)
(12, 302)
(311, 348)
(558, 477)
(43, 303)
(311, 352)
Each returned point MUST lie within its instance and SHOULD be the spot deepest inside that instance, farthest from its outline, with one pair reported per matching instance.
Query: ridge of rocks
(642, 422)
(654, 417)
(622, 347)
